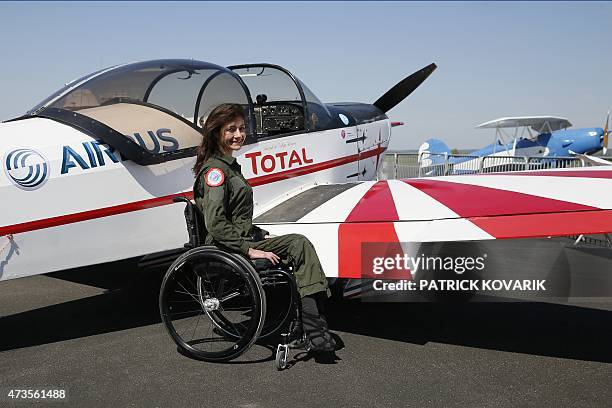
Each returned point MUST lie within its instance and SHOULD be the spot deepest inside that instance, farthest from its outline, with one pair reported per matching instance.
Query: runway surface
(96, 334)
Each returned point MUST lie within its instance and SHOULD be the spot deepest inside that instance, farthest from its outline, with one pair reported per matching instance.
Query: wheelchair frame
(200, 279)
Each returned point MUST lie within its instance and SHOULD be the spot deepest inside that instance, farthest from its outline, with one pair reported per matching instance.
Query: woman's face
(232, 135)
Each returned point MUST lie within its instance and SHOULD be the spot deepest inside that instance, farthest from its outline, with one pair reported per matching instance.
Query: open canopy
(152, 111)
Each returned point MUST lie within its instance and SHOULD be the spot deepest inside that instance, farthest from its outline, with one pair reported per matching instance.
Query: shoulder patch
(215, 177)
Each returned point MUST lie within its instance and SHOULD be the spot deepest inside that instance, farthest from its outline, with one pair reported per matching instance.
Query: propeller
(404, 88)
(606, 132)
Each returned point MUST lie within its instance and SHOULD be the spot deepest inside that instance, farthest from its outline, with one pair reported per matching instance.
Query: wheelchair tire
(203, 287)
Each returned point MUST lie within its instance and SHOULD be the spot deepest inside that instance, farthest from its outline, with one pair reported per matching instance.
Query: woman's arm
(259, 254)
(223, 232)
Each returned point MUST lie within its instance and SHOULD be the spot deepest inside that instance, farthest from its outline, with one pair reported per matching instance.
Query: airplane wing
(339, 218)
(537, 123)
(594, 160)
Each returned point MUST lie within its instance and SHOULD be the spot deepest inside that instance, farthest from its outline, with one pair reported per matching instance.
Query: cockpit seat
(79, 99)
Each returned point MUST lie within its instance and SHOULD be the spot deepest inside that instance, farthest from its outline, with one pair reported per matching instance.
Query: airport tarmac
(96, 333)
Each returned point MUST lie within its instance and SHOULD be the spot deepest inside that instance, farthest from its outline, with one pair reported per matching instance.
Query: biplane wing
(339, 218)
(538, 123)
(594, 160)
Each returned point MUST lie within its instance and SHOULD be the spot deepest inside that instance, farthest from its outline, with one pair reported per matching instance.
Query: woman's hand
(259, 254)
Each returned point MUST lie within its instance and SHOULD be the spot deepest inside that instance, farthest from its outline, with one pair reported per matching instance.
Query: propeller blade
(404, 88)
(606, 132)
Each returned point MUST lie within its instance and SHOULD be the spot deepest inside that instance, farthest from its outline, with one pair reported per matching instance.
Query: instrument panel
(275, 118)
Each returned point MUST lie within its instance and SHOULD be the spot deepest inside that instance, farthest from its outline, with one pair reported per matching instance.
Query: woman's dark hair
(211, 130)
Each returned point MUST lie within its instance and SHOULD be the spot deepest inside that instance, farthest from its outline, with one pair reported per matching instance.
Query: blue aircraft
(540, 136)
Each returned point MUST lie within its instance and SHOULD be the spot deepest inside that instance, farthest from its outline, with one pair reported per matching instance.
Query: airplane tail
(403, 88)
(434, 146)
(432, 155)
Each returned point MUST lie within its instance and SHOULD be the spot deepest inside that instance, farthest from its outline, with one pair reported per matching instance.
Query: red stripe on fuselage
(165, 200)
(92, 214)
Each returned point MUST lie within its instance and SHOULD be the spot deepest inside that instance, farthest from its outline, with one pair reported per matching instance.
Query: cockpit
(152, 111)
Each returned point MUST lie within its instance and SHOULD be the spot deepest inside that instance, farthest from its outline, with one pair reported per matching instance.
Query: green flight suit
(226, 200)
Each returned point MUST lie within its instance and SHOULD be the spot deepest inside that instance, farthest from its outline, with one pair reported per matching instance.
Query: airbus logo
(26, 168)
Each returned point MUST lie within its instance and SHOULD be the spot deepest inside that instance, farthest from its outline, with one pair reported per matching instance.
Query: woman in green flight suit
(226, 200)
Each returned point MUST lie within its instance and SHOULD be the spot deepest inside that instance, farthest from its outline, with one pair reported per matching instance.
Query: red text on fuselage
(282, 160)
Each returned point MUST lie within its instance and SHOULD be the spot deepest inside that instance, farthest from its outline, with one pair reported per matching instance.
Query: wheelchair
(216, 304)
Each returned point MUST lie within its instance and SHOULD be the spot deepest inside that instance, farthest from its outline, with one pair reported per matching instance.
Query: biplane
(519, 137)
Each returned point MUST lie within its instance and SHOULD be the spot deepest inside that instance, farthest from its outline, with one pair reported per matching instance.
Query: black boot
(315, 326)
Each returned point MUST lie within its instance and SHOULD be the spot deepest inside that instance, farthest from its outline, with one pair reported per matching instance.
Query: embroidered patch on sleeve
(215, 177)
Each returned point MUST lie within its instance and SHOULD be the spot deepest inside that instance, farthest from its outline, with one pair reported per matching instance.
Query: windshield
(158, 105)
(283, 104)
(64, 89)
(171, 84)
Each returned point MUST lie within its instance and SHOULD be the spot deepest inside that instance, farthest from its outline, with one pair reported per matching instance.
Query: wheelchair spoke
(193, 284)
(196, 327)
(185, 312)
(188, 293)
(236, 309)
(228, 297)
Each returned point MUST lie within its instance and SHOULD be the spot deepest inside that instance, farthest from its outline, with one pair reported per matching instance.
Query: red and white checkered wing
(456, 208)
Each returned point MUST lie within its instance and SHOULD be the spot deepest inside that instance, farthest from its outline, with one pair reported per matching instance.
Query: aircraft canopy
(152, 111)
(537, 123)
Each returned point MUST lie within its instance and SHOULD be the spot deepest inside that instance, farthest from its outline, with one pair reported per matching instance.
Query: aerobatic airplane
(90, 173)
(533, 136)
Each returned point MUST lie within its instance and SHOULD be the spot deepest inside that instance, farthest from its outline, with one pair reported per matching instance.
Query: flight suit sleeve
(215, 216)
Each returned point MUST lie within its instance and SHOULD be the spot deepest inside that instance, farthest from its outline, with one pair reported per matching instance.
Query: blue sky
(494, 59)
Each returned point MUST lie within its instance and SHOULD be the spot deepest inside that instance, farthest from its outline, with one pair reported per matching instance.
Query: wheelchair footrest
(289, 342)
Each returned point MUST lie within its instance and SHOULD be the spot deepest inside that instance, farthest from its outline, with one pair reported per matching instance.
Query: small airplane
(91, 172)
(534, 136)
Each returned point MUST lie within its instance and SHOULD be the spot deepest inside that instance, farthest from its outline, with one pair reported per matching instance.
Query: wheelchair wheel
(212, 304)
(279, 306)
